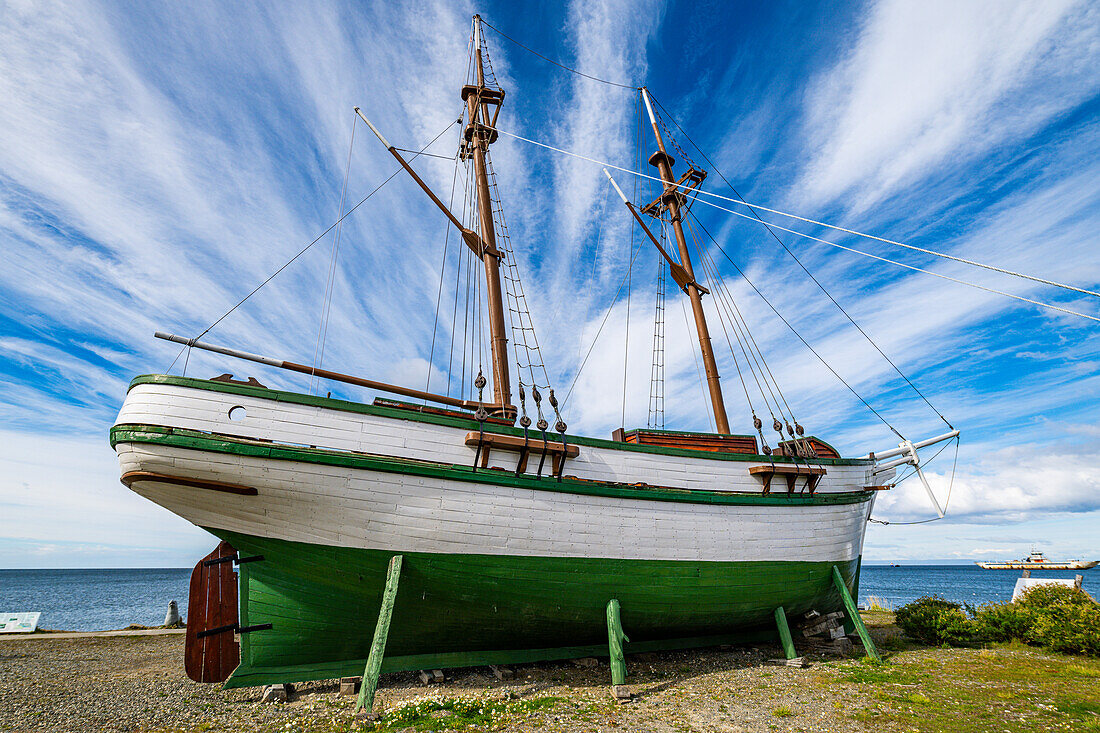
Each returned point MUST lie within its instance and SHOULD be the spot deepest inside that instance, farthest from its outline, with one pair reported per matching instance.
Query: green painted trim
(193, 439)
(470, 424)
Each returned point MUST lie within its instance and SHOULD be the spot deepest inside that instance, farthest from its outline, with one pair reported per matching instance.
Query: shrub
(1003, 622)
(1044, 596)
(934, 620)
(1069, 626)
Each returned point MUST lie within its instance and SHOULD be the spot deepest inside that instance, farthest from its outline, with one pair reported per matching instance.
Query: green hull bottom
(464, 610)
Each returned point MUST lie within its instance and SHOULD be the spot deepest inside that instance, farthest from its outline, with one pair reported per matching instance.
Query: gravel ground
(137, 683)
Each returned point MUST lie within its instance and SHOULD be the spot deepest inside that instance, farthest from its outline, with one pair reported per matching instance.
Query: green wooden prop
(853, 614)
(381, 631)
(615, 639)
(785, 633)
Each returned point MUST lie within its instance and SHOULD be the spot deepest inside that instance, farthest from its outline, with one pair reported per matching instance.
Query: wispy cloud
(158, 163)
(926, 84)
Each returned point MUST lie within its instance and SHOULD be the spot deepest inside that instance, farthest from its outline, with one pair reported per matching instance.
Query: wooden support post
(378, 646)
(785, 633)
(615, 639)
(853, 613)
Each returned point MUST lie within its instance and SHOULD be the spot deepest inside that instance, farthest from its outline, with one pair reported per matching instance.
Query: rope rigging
(801, 265)
(656, 415)
(831, 226)
(555, 63)
(304, 249)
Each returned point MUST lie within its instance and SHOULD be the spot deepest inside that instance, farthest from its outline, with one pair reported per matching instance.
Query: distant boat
(1037, 559)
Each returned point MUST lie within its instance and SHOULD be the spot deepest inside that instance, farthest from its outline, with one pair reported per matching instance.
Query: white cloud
(1012, 484)
(932, 83)
(66, 513)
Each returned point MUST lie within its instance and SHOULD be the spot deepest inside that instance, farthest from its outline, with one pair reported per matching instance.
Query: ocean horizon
(98, 599)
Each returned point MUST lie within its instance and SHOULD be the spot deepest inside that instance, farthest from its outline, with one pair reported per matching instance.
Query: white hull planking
(293, 424)
(352, 507)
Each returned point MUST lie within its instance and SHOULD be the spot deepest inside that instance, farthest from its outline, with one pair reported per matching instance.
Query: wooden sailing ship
(515, 539)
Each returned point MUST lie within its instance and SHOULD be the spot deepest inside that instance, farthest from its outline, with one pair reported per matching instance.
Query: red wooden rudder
(212, 652)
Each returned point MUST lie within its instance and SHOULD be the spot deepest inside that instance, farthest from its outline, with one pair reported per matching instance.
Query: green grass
(1003, 687)
(783, 711)
(459, 713)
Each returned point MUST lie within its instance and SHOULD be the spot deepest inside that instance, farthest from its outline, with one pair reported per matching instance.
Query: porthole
(237, 413)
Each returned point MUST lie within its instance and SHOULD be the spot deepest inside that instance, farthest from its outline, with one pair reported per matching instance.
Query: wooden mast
(671, 198)
(479, 134)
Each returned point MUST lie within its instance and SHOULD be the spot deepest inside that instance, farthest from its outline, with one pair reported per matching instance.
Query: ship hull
(455, 610)
(497, 567)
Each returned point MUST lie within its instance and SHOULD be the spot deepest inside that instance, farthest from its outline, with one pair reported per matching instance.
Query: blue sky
(158, 162)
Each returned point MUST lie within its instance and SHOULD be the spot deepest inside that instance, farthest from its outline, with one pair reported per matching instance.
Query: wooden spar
(508, 410)
(478, 137)
(473, 241)
(679, 274)
(663, 161)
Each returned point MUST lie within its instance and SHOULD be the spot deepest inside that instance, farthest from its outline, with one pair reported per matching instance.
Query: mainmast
(479, 134)
(672, 199)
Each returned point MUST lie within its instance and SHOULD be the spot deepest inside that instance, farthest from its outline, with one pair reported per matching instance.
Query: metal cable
(795, 331)
(555, 63)
(810, 221)
(302, 251)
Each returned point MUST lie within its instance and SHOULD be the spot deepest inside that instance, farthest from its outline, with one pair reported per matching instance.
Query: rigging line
(442, 272)
(319, 236)
(795, 332)
(599, 232)
(458, 286)
(732, 302)
(739, 332)
(698, 371)
(626, 337)
(748, 361)
(742, 202)
(597, 336)
(762, 363)
(736, 363)
(902, 264)
(462, 386)
(804, 268)
(555, 63)
(428, 155)
(326, 306)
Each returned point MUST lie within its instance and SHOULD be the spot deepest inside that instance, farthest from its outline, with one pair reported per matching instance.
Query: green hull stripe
(461, 610)
(192, 439)
(471, 424)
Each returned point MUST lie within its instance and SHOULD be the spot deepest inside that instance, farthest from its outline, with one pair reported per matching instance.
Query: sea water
(94, 600)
